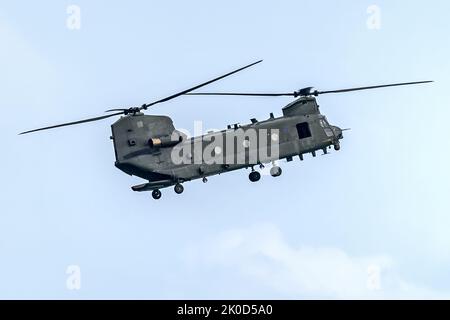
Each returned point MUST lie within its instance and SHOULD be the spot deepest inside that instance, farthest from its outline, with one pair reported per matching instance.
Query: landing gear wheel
(337, 146)
(204, 180)
(276, 171)
(254, 176)
(178, 188)
(156, 194)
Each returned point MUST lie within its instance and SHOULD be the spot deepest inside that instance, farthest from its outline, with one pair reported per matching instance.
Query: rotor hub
(132, 110)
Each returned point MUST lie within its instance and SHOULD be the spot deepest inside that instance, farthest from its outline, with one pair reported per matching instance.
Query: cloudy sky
(370, 221)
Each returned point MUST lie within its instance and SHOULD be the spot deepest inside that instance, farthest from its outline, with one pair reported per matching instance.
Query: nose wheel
(337, 146)
(156, 194)
(275, 171)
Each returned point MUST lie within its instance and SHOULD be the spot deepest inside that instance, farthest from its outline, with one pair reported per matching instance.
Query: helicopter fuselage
(151, 148)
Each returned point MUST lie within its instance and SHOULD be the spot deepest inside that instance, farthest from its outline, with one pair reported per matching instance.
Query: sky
(369, 221)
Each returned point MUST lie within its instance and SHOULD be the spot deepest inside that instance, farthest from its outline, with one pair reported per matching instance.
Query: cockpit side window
(324, 123)
(303, 130)
(326, 127)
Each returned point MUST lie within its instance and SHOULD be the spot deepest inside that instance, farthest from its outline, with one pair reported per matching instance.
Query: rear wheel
(156, 194)
(254, 176)
(178, 188)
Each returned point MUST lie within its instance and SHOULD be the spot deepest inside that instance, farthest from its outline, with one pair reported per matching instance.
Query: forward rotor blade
(371, 87)
(145, 106)
(73, 123)
(240, 94)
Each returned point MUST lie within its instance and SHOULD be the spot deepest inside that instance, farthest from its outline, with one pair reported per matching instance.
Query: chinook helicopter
(150, 147)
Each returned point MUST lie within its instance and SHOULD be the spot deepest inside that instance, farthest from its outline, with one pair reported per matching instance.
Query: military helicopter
(149, 146)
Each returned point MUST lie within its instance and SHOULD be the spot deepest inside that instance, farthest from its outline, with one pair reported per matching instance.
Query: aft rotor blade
(303, 92)
(241, 94)
(145, 106)
(371, 87)
(73, 123)
(119, 109)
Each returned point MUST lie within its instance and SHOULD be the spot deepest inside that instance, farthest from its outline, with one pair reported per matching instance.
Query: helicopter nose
(338, 132)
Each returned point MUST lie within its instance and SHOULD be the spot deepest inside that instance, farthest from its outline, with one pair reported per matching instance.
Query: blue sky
(318, 231)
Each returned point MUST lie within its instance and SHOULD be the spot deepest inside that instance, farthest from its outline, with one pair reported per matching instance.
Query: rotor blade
(240, 94)
(73, 123)
(145, 106)
(372, 87)
(300, 93)
(115, 110)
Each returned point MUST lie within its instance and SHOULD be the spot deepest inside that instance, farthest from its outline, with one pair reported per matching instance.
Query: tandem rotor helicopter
(149, 146)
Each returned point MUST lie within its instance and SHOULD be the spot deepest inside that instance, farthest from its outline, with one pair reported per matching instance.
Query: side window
(303, 130)
(324, 123)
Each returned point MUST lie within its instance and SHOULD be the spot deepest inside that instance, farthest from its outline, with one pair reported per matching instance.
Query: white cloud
(261, 253)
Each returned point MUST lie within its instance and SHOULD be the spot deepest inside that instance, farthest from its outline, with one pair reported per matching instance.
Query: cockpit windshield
(323, 123)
